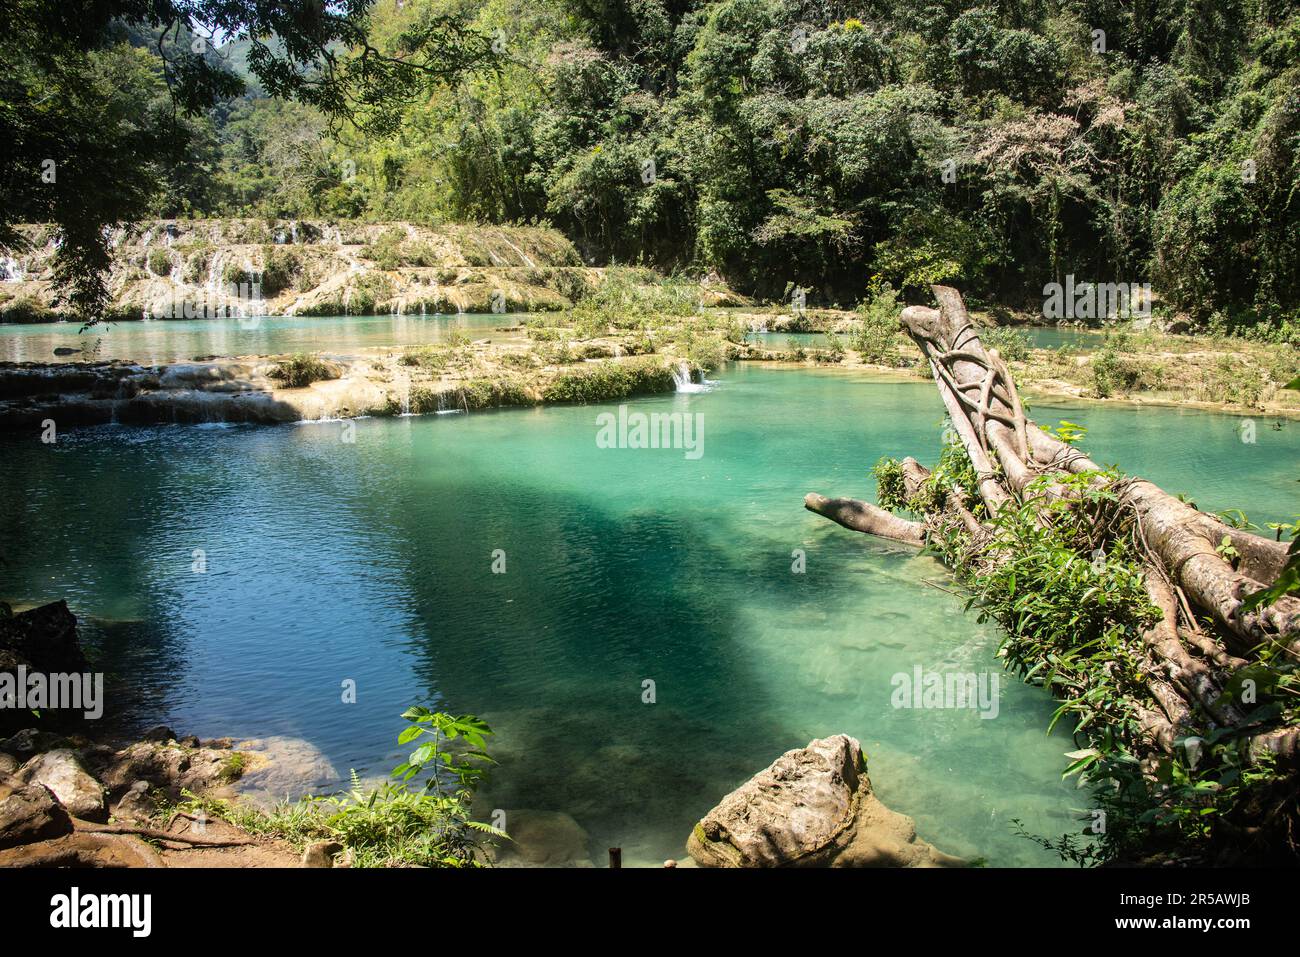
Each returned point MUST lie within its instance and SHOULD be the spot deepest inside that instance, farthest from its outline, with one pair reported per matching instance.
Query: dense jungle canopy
(998, 146)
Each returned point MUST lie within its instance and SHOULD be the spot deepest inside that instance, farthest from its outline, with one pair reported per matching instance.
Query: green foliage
(1112, 373)
(890, 490)
(1012, 344)
(282, 269)
(420, 820)
(633, 299)
(953, 143)
(391, 250)
(301, 370)
(1288, 580)
(606, 381)
(1061, 572)
(953, 472)
(879, 328)
(1067, 432)
(108, 107)
(160, 262)
(232, 768)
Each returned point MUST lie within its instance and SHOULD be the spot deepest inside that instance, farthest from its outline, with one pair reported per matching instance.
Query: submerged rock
(45, 638)
(812, 807)
(542, 839)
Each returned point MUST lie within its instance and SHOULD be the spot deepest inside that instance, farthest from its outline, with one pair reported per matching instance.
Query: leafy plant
(301, 370)
(420, 820)
(1012, 344)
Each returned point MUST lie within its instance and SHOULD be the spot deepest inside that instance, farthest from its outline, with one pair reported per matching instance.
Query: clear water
(371, 561)
(174, 340)
(781, 340)
(1040, 337)
(1054, 337)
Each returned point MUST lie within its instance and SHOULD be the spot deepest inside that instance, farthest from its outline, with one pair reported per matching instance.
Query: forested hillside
(998, 145)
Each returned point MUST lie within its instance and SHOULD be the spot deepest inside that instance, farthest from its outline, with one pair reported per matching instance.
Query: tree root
(1202, 635)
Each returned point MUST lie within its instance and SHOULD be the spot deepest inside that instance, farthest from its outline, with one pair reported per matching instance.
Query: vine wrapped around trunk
(1128, 603)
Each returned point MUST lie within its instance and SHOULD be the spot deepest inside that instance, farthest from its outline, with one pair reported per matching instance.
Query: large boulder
(29, 812)
(812, 807)
(67, 780)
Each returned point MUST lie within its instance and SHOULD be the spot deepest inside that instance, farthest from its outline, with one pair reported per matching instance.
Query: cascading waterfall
(11, 270)
(443, 407)
(682, 379)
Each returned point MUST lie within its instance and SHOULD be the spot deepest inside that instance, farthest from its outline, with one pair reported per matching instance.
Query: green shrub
(1112, 374)
(26, 309)
(160, 262)
(420, 820)
(426, 357)
(301, 370)
(368, 292)
(385, 251)
(1012, 344)
(282, 270)
(631, 299)
(607, 381)
(879, 329)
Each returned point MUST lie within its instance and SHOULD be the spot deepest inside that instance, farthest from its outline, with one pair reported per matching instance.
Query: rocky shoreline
(70, 800)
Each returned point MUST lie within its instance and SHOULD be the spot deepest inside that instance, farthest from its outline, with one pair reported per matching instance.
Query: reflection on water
(372, 561)
(173, 340)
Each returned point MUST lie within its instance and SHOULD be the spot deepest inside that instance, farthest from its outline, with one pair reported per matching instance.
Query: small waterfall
(682, 379)
(121, 385)
(443, 407)
(11, 270)
(406, 396)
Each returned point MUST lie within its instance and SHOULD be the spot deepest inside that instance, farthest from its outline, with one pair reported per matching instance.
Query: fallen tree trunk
(865, 517)
(1198, 570)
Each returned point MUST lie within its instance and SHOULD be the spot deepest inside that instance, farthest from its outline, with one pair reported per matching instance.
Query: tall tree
(90, 127)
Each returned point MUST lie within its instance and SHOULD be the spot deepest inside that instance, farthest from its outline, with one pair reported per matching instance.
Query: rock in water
(62, 773)
(812, 807)
(45, 637)
(41, 640)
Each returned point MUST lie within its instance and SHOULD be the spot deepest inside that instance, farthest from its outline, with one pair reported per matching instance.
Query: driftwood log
(1203, 634)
